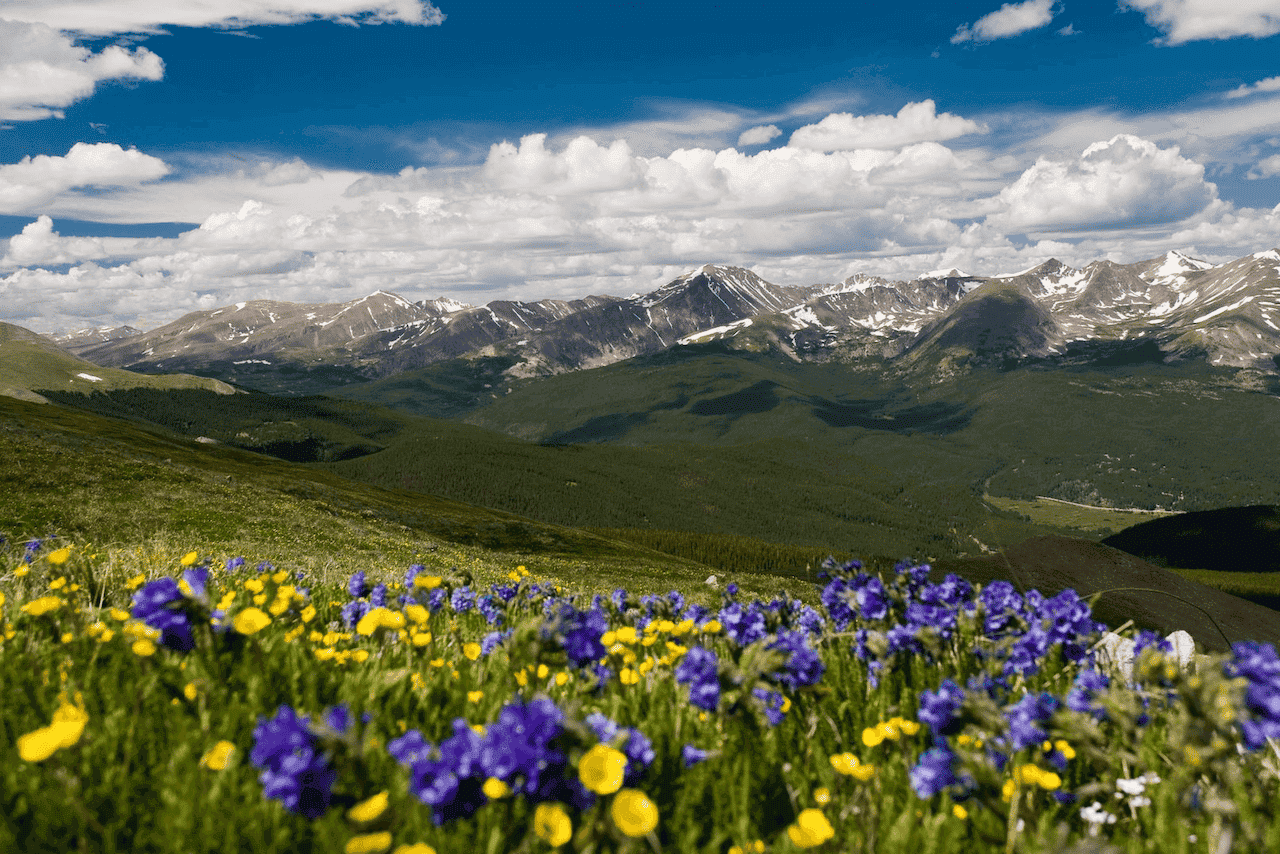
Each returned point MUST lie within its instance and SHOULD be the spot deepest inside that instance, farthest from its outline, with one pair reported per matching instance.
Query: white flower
(1096, 815)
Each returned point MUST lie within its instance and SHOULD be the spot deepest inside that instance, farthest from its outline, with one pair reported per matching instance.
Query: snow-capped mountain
(1177, 306)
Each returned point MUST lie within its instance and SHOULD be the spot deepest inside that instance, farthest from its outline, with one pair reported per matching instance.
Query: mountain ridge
(1226, 314)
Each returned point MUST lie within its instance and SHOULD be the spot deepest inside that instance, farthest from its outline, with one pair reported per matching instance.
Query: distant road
(1114, 509)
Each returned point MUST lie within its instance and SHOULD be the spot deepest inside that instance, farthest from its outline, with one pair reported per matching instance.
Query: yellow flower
(471, 650)
(959, 812)
(1, 597)
(308, 614)
(601, 769)
(552, 824)
(475, 696)
(39, 745)
(143, 647)
(190, 558)
(421, 638)
(1067, 751)
(416, 612)
(626, 634)
(58, 583)
(811, 829)
(21, 572)
(59, 557)
(428, 581)
(822, 796)
(872, 735)
(844, 763)
(251, 621)
(369, 843)
(134, 582)
(189, 691)
(633, 812)
(379, 618)
(253, 585)
(369, 809)
(217, 757)
(67, 727)
(628, 676)
(494, 789)
(711, 627)
(43, 605)
(415, 848)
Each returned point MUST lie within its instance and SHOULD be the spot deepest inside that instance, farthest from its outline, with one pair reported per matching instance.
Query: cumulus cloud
(43, 70)
(915, 122)
(758, 135)
(108, 17)
(1265, 168)
(1184, 21)
(1270, 84)
(1123, 182)
(1009, 20)
(553, 218)
(32, 182)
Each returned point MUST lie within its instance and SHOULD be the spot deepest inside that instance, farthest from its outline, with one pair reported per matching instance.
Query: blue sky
(160, 158)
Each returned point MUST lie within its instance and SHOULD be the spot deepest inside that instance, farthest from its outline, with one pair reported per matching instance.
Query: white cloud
(1270, 84)
(1122, 183)
(758, 135)
(1185, 21)
(108, 17)
(1265, 168)
(543, 218)
(42, 70)
(915, 122)
(1009, 20)
(33, 182)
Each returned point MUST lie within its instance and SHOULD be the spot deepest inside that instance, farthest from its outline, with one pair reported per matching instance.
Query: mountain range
(1169, 309)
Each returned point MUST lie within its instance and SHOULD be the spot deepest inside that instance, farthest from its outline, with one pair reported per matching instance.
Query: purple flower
(772, 703)
(803, 665)
(234, 563)
(1025, 716)
(743, 626)
(378, 596)
(1000, 605)
(353, 611)
(691, 755)
(294, 772)
(933, 772)
(159, 604)
(578, 633)
(462, 600)
(357, 586)
(939, 708)
(700, 670)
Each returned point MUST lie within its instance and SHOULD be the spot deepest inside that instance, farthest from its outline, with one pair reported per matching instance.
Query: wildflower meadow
(224, 704)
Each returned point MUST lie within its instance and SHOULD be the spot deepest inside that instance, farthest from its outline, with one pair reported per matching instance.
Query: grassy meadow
(209, 650)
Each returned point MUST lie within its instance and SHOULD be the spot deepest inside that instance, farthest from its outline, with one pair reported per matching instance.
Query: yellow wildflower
(552, 824)
(369, 843)
(633, 812)
(416, 612)
(59, 557)
(822, 796)
(189, 691)
(428, 581)
(144, 647)
(58, 583)
(217, 757)
(415, 848)
(494, 789)
(475, 696)
(43, 605)
(369, 809)
(190, 558)
(471, 650)
(811, 829)
(253, 585)
(628, 676)
(251, 621)
(601, 769)
(959, 812)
